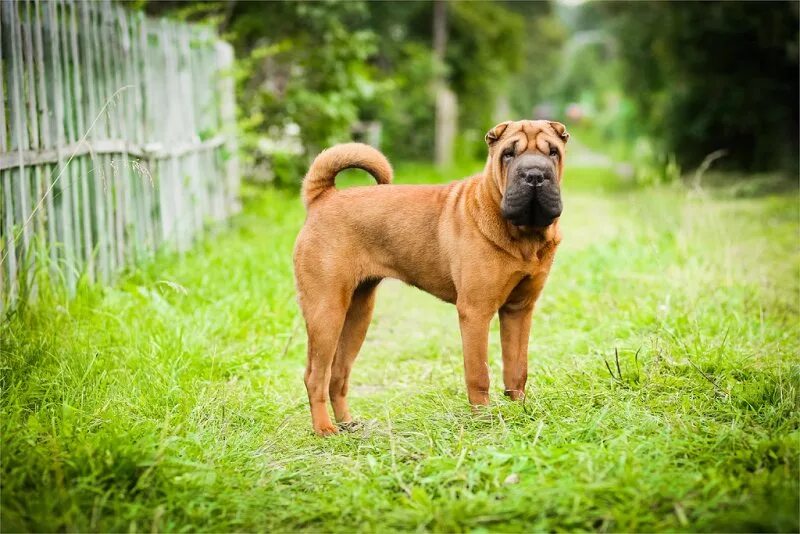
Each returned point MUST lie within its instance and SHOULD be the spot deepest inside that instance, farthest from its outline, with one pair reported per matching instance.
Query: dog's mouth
(536, 207)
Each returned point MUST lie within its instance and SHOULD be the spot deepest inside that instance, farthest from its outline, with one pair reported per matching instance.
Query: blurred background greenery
(665, 87)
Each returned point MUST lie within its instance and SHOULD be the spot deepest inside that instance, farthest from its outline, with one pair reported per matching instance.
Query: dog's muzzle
(532, 196)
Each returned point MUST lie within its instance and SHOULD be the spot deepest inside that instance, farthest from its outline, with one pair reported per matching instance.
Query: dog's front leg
(515, 328)
(474, 322)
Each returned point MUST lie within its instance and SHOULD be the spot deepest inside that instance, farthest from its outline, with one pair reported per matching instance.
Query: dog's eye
(553, 152)
(508, 154)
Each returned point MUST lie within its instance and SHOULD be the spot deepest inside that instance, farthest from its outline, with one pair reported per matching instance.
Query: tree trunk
(446, 103)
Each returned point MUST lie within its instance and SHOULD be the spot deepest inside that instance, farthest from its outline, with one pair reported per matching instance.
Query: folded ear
(495, 133)
(560, 129)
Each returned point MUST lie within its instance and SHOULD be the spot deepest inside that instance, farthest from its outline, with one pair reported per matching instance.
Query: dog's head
(526, 160)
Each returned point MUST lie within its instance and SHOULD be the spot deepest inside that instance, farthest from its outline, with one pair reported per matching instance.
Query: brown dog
(485, 244)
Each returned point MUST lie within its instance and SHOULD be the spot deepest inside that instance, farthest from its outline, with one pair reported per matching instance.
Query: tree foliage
(713, 75)
(681, 79)
(318, 68)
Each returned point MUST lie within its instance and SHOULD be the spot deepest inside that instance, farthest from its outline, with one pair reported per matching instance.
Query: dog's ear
(560, 129)
(494, 134)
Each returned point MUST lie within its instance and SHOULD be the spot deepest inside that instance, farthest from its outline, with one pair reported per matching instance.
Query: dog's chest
(536, 256)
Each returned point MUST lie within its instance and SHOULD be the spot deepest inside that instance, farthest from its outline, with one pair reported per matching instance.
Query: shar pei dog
(485, 243)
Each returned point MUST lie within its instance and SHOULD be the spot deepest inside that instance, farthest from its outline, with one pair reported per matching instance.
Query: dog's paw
(515, 394)
(483, 413)
(325, 430)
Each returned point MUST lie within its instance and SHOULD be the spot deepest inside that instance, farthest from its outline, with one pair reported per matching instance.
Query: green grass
(175, 401)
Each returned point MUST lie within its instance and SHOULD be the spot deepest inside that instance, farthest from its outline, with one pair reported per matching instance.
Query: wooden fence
(117, 139)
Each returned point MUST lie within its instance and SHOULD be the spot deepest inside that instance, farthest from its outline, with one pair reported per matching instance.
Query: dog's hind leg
(354, 331)
(324, 320)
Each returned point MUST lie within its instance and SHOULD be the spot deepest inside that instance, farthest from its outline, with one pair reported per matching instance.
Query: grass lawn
(175, 400)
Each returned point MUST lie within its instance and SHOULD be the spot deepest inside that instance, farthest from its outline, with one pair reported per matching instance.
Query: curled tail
(330, 162)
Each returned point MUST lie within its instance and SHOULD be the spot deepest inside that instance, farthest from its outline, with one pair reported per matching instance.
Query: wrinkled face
(527, 160)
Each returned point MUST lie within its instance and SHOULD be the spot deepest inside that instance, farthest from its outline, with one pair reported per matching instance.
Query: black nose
(534, 176)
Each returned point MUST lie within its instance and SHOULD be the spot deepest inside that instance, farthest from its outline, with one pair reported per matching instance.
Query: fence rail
(117, 139)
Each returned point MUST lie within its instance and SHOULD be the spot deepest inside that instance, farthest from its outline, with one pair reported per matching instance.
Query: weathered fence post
(118, 137)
